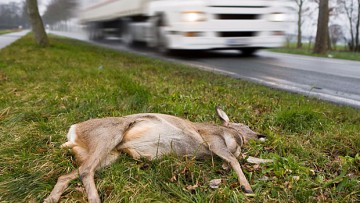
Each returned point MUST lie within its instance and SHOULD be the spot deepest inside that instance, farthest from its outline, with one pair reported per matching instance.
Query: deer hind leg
(87, 170)
(109, 159)
(103, 155)
(61, 185)
(64, 180)
(87, 173)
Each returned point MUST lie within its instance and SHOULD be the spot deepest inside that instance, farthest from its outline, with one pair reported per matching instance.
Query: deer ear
(222, 116)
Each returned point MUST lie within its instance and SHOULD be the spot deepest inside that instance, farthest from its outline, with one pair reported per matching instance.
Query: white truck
(245, 25)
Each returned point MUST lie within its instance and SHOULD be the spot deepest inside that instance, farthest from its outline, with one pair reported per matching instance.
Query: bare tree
(357, 45)
(59, 10)
(300, 11)
(352, 14)
(322, 33)
(336, 34)
(333, 14)
(37, 23)
(12, 16)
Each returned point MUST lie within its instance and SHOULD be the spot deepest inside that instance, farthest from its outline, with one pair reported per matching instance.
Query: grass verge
(340, 53)
(315, 144)
(2, 32)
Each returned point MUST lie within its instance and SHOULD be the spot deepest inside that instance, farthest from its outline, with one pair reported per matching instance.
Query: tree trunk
(299, 36)
(37, 23)
(322, 33)
(357, 46)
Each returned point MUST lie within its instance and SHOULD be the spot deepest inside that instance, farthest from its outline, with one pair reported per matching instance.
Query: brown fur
(97, 143)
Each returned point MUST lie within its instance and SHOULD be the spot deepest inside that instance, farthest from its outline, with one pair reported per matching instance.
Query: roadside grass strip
(314, 144)
(2, 32)
(307, 50)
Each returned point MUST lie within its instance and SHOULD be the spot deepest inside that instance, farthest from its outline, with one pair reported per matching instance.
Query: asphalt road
(7, 39)
(328, 79)
(324, 78)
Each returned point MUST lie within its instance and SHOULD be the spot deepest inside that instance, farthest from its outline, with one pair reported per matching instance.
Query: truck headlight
(193, 16)
(277, 17)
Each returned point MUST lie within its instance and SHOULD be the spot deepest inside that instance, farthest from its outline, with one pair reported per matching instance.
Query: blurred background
(302, 17)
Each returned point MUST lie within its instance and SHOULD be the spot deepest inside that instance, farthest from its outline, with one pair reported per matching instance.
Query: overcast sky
(8, 1)
(42, 3)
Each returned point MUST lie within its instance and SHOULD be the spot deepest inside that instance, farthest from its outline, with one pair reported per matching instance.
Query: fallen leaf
(288, 185)
(214, 183)
(225, 166)
(249, 194)
(184, 170)
(80, 189)
(255, 160)
(256, 166)
(192, 187)
(235, 185)
(296, 178)
(264, 178)
(173, 178)
(32, 200)
(350, 175)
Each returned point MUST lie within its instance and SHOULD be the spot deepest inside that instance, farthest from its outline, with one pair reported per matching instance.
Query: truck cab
(246, 25)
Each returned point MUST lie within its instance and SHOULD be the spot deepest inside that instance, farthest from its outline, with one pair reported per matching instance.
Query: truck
(244, 25)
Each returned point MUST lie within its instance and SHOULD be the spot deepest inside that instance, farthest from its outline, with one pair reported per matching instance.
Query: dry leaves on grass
(192, 187)
(215, 183)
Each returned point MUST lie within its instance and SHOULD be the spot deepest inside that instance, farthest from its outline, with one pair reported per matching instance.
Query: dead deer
(97, 143)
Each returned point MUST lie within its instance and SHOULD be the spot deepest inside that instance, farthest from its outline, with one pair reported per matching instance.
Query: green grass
(315, 144)
(339, 53)
(2, 32)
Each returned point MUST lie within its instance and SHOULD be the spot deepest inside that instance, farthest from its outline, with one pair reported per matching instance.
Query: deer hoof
(249, 191)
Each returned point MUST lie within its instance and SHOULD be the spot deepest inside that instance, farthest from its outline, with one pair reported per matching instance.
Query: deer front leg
(61, 185)
(241, 177)
(218, 146)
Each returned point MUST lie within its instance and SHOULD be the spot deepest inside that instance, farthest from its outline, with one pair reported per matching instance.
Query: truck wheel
(160, 40)
(95, 32)
(91, 32)
(127, 35)
(248, 51)
(99, 34)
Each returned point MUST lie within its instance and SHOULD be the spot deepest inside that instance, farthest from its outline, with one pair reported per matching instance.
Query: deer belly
(152, 140)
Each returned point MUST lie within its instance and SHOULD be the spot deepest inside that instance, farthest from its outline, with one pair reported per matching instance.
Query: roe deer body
(97, 143)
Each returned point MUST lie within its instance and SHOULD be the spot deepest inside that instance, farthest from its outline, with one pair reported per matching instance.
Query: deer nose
(261, 137)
